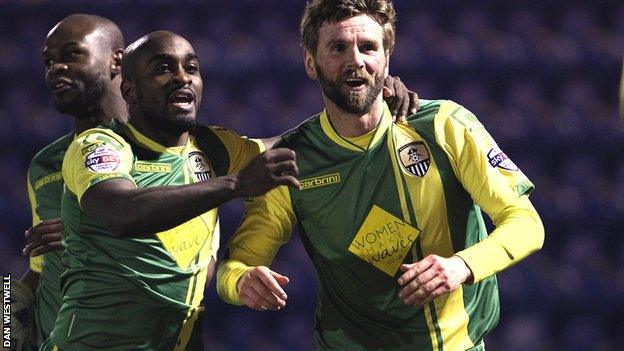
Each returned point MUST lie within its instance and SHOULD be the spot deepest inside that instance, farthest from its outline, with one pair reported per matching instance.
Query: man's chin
(183, 123)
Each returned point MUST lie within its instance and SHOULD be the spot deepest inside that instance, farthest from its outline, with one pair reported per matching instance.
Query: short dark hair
(318, 12)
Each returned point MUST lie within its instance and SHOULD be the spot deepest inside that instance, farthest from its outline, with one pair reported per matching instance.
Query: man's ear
(128, 92)
(116, 62)
(310, 66)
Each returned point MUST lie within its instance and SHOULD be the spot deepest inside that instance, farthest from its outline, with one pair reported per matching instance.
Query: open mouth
(356, 82)
(181, 98)
(60, 85)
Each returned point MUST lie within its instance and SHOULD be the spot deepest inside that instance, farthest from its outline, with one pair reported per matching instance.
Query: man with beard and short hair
(140, 207)
(389, 214)
(82, 57)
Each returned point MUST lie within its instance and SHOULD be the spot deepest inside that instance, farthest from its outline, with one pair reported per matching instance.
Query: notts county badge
(200, 165)
(415, 158)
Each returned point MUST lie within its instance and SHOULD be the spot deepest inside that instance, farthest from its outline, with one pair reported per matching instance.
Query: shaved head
(143, 45)
(82, 56)
(109, 33)
(161, 83)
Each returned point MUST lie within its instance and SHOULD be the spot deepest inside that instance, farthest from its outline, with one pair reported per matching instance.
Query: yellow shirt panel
(267, 225)
(497, 185)
(35, 263)
(96, 155)
(241, 149)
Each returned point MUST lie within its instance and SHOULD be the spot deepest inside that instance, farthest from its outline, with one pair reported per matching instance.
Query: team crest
(415, 158)
(200, 165)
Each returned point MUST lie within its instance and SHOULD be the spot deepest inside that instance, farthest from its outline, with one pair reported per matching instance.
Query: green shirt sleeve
(35, 263)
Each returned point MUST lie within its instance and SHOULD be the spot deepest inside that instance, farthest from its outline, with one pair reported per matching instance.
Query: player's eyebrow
(161, 57)
(164, 57)
(46, 51)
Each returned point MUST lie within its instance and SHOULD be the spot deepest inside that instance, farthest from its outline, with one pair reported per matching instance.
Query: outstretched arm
(131, 211)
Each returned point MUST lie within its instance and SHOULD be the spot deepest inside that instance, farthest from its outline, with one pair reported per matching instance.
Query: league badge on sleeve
(415, 158)
(199, 165)
(103, 159)
(497, 158)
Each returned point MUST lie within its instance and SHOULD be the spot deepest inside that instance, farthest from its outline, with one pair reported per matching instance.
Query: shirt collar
(330, 131)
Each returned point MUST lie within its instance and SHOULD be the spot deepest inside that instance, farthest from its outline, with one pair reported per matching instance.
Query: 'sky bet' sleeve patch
(384, 240)
(103, 159)
(497, 158)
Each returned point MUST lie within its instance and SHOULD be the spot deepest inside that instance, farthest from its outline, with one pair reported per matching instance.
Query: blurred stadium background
(541, 75)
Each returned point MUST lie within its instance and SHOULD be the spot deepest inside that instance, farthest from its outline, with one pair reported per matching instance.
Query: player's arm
(401, 101)
(108, 193)
(500, 189)
(44, 235)
(243, 277)
(31, 277)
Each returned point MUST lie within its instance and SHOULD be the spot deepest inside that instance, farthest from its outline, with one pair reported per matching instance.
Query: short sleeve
(241, 150)
(94, 156)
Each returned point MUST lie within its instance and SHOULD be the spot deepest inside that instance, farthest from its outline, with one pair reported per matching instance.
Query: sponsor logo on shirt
(90, 147)
(322, 180)
(102, 160)
(149, 167)
(415, 158)
(200, 165)
(384, 240)
(186, 241)
(56, 176)
(497, 158)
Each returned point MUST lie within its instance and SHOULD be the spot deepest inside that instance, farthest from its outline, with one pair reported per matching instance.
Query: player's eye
(192, 68)
(338, 48)
(48, 63)
(69, 55)
(163, 68)
(368, 47)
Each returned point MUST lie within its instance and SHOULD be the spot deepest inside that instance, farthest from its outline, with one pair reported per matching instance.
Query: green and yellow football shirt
(139, 292)
(370, 203)
(45, 187)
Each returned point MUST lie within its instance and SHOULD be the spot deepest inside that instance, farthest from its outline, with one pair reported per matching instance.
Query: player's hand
(431, 277)
(45, 236)
(261, 289)
(270, 169)
(401, 101)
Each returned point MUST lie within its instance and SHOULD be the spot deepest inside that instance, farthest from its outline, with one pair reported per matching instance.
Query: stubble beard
(87, 102)
(355, 102)
(158, 116)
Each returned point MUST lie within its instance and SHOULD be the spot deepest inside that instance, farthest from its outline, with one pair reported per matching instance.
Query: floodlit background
(542, 77)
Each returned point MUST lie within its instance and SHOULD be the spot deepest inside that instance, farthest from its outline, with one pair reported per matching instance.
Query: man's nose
(181, 76)
(57, 67)
(356, 58)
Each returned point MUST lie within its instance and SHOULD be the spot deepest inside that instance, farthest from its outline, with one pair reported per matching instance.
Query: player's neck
(111, 106)
(351, 125)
